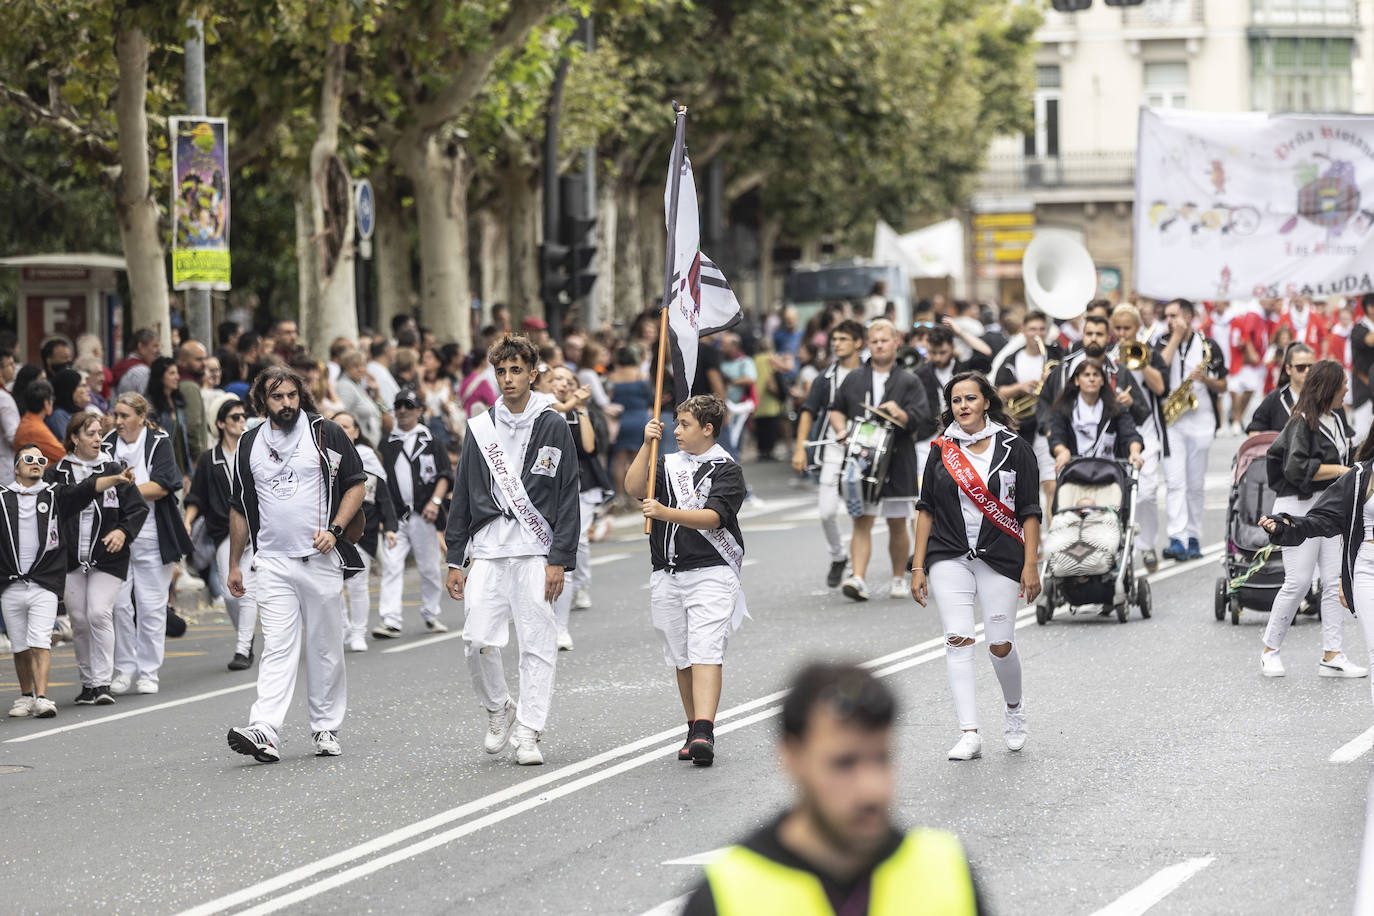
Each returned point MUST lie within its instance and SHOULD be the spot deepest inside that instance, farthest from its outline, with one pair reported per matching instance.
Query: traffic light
(1077, 6)
(577, 231)
(553, 271)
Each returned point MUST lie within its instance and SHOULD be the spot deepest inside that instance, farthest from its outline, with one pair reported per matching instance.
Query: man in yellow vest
(836, 852)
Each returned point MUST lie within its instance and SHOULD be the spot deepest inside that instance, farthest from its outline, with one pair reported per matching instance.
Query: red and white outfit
(1249, 327)
(1308, 327)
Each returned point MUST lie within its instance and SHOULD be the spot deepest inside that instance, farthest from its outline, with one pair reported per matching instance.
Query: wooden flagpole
(675, 175)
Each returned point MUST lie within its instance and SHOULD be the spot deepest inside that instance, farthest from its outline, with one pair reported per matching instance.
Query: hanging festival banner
(200, 203)
(1240, 206)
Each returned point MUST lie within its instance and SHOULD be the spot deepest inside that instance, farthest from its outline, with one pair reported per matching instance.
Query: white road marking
(610, 558)
(748, 528)
(134, 712)
(668, 907)
(701, 858)
(1159, 886)
(422, 643)
(1354, 750)
(272, 885)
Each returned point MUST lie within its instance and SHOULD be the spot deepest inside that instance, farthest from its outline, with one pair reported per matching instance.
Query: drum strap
(967, 480)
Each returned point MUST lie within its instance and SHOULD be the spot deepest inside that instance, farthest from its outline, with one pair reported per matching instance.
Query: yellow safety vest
(927, 876)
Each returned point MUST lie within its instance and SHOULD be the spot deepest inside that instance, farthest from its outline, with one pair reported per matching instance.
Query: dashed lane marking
(1159, 886)
(1354, 750)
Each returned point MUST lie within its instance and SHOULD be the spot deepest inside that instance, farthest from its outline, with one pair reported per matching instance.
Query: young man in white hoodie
(514, 524)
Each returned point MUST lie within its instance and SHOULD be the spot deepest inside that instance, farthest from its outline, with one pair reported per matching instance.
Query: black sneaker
(385, 632)
(836, 574)
(702, 749)
(241, 662)
(103, 697)
(685, 752)
(253, 743)
(87, 697)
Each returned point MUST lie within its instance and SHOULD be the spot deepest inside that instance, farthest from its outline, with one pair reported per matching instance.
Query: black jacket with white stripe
(1338, 512)
(121, 507)
(49, 568)
(722, 483)
(428, 464)
(172, 539)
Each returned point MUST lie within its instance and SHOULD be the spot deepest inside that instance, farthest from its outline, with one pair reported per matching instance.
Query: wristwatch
(336, 530)
(437, 501)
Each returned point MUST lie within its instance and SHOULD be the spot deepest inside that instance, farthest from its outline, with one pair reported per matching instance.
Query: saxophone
(1022, 407)
(1183, 399)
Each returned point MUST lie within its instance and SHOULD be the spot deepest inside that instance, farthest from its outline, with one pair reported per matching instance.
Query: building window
(1044, 141)
(1166, 84)
(1301, 74)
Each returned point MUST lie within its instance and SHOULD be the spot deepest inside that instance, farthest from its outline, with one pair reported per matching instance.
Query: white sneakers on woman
(970, 744)
(1340, 666)
(969, 747)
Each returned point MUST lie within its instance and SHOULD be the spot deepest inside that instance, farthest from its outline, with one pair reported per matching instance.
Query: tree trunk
(391, 252)
(331, 310)
(495, 261)
(523, 218)
(441, 172)
(305, 257)
(653, 245)
(769, 230)
(602, 300)
(629, 280)
(135, 205)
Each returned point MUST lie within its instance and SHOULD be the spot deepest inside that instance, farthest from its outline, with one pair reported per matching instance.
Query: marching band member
(1126, 325)
(1274, 410)
(210, 497)
(977, 536)
(1089, 422)
(97, 540)
(379, 517)
(1361, 364)
(846, 343)
(1193, 360)
(33, 569)
(934, 373)
(1309, 326)
(1313, 450)
(1096, 339)
(1020, 371)
(1249, 337)
(901, 396)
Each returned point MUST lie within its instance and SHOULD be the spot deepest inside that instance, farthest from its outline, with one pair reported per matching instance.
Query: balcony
(1319, 16)
(1067, 176)
(1155, 15)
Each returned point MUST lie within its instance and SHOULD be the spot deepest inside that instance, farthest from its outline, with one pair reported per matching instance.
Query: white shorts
(1043, 459)
(1246, 378)
(30, 611)
(896, 507)
(692, 609)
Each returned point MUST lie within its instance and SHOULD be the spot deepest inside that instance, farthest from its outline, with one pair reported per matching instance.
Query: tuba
(1183, 399)
(1059, 274)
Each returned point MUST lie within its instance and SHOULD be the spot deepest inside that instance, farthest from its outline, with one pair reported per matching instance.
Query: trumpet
(1022, 407)
(1133, 354)
(1182, 399)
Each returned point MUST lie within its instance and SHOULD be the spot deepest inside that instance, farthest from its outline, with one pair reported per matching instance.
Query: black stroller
(1088, 541)
(1251, 499)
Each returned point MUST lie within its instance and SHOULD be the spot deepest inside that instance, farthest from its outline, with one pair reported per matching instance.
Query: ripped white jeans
(955, 584)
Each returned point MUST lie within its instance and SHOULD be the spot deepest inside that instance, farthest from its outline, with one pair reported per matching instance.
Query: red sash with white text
(967, 479)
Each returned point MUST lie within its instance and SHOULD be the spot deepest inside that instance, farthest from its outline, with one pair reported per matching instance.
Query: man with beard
(836, 850)
(299, 483)
(939, 367)
(1096, 340)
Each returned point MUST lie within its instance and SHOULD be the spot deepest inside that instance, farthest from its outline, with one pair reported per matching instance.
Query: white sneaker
(61, 631)
(1271, 665)
(970, 746)
(582, 600)
(122, 683)
(1016, 727)
(565, 642)
(526, 742)
(498, 728)
(327, 744)
(5, 647)
(218, 603)
(189, 581)
(357, 644)
(435, 625)
(23, 706)
(44, 708)
(854, 589)
(899, 588)
(1340, 666)
(145, 685)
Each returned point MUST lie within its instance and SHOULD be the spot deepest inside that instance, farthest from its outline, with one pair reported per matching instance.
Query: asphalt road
(1162, 768)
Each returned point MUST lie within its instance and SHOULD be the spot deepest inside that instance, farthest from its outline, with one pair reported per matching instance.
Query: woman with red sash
(977, 536)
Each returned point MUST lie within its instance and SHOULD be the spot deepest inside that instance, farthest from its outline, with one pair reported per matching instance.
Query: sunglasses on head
(31, 458)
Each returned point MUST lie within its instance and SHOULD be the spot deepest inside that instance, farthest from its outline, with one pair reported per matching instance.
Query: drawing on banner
(1254, 206)
(200, 203)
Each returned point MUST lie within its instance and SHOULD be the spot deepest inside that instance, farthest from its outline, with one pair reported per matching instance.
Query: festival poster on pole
(200, 203)
(1240, 206)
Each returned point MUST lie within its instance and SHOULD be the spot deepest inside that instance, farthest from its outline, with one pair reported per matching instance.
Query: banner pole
(675, 183)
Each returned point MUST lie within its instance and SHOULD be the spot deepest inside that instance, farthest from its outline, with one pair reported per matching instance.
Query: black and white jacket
(428, 465)
(55, 501)
(1338, 512)
(212, 491)
(591, 470)
(556, 497)
(1014, 478)
(722, 483)
(340, 467)
(1120, 425)
(1273, 411)
(120, 507)
(1118, 377)
(1005, 374)
(172, 539)
(1293, 459)
(907, 392)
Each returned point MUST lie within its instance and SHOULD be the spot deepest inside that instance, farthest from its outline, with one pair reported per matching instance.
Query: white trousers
(1300, 563)
(1362, 581)
(90, 597)
(955, 584)
(1147, 496)
(243, 612)
(295, 594)
(139, 643)
(1185, 472)
(1362, 418)
(359, 601)
(581, 576)
(417, 535)
(497, 593)
(30, 611)
(828, 502)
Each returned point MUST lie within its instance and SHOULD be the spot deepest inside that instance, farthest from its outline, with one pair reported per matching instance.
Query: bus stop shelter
(67, 295)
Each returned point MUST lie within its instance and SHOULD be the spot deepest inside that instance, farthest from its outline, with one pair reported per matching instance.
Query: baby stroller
(1088, 541)
(1251, 499)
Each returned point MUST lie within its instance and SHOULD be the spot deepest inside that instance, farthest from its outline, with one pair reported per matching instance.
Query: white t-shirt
(880, 385)
(132, 454)
(1199, 420)
(28, 523)
(405, 482)
(1085, 422)
(291, 499)
(386, 383)
(973, 516)
(80, 471)
(505, 536)
(1028, 368)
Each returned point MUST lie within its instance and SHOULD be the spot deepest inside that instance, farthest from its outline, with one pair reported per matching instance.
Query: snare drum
(868, 452)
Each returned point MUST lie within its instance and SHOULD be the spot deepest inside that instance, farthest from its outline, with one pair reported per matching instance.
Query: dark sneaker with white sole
(103, 697)
(385, 632)
(241, 662)
(253, 742)
(836, 574)
(87, 697)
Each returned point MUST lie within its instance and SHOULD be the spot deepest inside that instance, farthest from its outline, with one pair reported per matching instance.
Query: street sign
(366, 207)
